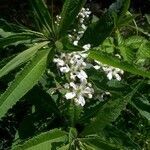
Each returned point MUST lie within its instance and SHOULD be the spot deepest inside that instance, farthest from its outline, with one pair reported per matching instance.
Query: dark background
(17, 10)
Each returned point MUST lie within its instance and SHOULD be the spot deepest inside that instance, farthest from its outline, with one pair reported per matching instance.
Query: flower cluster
(73, 65)
(111, 72)
(82, 17)
(84, 14)
(79, 91)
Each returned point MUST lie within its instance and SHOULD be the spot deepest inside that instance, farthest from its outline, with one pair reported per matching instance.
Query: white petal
(73, 85)
(66, 86)
(83, 26)
(121, 71)
(84, 55)
(109, 75)
(118, 77)
(87, 90)
(64, 69)
(60, 62)
(96, 67)
(81, 20)
(70, 95)
(82, 75)
(87, 47)
(107, 93)
(75, 43)
(70, 35)
(90, 95)
(80, 32)
(72, 76)
(81, 100)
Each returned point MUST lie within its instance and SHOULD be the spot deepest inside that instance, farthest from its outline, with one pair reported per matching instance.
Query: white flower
(97, 67)
(72, 76)
(82, 75)
(81, 20)
(90, 96)
(117, 76)
(80, 100)
(59, 62)
(66, 86)
(113, 72)
(110, 75)
(75, 43)
(65, 69)
(84, 55)
(73, 64)
(83, 26)
(87, 47)
(110, 71)
(80, 32)
(73, 85)
(70, 95)
(78, 92)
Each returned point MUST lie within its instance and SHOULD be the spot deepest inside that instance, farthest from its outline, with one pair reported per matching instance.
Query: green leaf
(143, 106)
(99, 144)
(148, 18)
(42, 101)
(44, 141)
(74, 113)
(28, 77)
(121, 137)
(125, 7)
(109, 113)
(65, 147)
(113, 61)
(127, 53)
(21, 59)
(72, 135)
(119, 10)
(98, 31)
(144, 50)
(5, 34)
(108, 45)
(42, 15)
(120, 7)
(134, 41)
(9, 27)
(69, 12)
(20, 38)
(27, 127)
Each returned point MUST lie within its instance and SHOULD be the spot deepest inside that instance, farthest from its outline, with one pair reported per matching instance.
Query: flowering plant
(74, 74)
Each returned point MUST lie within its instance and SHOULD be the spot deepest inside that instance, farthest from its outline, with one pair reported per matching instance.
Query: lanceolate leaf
(28, 77)
(20, 38)
(113, 61)
(109, 113)
(69, 12)
(9, 27)
(21, 58)
(44, 141)
(98, 31)
(42, 14)
(5, 34)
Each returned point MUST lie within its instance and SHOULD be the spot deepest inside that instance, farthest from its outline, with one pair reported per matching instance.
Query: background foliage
(33, 111)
